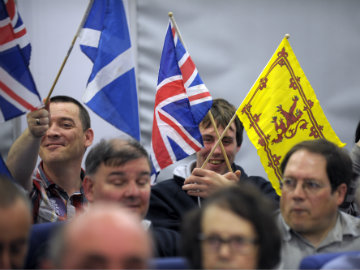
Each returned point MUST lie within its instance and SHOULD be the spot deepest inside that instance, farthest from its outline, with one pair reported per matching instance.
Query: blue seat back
(316, 261)
(169, 263)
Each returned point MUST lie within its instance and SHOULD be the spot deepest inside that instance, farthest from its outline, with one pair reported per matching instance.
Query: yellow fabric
(280, 110)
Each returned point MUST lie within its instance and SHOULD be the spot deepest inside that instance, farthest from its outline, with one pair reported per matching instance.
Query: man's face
(106, 243)
(217, 161)
(219, 223)
(128, 184)
(310, 211)
(65, 139)
(15, 225)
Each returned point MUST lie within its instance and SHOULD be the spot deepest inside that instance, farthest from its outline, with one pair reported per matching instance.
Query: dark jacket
(168, 202)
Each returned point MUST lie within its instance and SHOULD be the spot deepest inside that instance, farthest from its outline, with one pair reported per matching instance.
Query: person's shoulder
(167, 183)
(349, 219)
(166, 188)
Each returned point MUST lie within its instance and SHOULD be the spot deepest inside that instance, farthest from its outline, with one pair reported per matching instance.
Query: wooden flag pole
(221, 145)
(69, 51)
(219, 141)
(209, 112)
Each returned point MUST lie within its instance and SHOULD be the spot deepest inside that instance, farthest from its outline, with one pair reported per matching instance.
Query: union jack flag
(18, 93)
(182, 100)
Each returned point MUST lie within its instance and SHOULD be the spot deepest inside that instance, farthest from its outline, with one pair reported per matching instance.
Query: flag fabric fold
(111, 90)
(181, 102)
(18, 93)
(280, 110)
(3, 168)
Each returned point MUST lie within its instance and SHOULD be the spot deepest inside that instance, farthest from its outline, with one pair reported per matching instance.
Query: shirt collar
(42, 177)
(345, 225)
(184, 170)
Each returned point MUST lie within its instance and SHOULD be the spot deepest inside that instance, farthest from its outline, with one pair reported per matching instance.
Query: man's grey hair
(114, 152)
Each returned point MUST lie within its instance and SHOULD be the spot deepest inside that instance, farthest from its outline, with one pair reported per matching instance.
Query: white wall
(230, 41)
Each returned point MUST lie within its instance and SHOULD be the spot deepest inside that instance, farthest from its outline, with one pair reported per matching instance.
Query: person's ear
(341, 193)
(88, 186)
(89, 137)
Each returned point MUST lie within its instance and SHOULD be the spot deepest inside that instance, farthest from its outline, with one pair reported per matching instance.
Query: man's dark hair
(223, 111)
(11, 192)
(114, 152)
(357, 133)
(245, 201)
(83, 113)
(338, 161)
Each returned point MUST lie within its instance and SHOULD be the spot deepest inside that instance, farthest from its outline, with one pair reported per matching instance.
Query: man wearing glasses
(316, 175)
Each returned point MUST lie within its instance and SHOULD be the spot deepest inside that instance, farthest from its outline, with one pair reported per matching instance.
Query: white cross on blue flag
(111, 90)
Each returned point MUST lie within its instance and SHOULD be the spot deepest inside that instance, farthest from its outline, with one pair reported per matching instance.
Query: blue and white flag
(18, 93)
(111, 90)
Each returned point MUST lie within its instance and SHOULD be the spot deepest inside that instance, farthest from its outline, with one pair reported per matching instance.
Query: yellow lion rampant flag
(280, 110)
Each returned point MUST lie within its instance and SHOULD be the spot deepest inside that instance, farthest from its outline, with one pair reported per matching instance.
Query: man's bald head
(105, 236)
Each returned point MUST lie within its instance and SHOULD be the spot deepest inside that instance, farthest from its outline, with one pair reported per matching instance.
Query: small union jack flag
(182, 101)
(18, 93)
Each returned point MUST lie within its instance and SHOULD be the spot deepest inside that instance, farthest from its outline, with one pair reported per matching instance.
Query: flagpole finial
(170, 14)
(287, 36)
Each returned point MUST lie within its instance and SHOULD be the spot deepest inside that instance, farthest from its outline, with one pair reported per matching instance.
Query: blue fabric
(316, 261)
(169, 263)
(3, 169)
(114, 95)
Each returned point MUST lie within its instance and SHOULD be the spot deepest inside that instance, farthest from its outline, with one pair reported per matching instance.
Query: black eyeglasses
(309, 186)
(237, 244)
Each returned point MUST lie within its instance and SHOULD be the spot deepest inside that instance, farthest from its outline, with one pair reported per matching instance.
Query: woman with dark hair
(234, 229)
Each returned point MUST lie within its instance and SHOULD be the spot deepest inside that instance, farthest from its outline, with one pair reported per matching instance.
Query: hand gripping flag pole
(209, 112)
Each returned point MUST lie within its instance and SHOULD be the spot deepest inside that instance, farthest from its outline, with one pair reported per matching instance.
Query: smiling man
(60, 135)
(172, 198)
(119, 171)
(315, 179)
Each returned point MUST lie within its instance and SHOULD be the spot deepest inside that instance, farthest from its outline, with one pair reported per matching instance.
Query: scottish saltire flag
(3, 169)
(18, 93)
(111, 90)
(281, 110)
(182, 100)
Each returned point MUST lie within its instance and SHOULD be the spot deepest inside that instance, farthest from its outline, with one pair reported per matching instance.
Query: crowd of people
(108, 215)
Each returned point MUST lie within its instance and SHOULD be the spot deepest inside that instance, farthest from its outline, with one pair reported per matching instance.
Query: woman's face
(228, 241)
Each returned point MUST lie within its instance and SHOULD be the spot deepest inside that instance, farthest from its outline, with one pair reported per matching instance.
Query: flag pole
(69, 51)
(171, 16)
